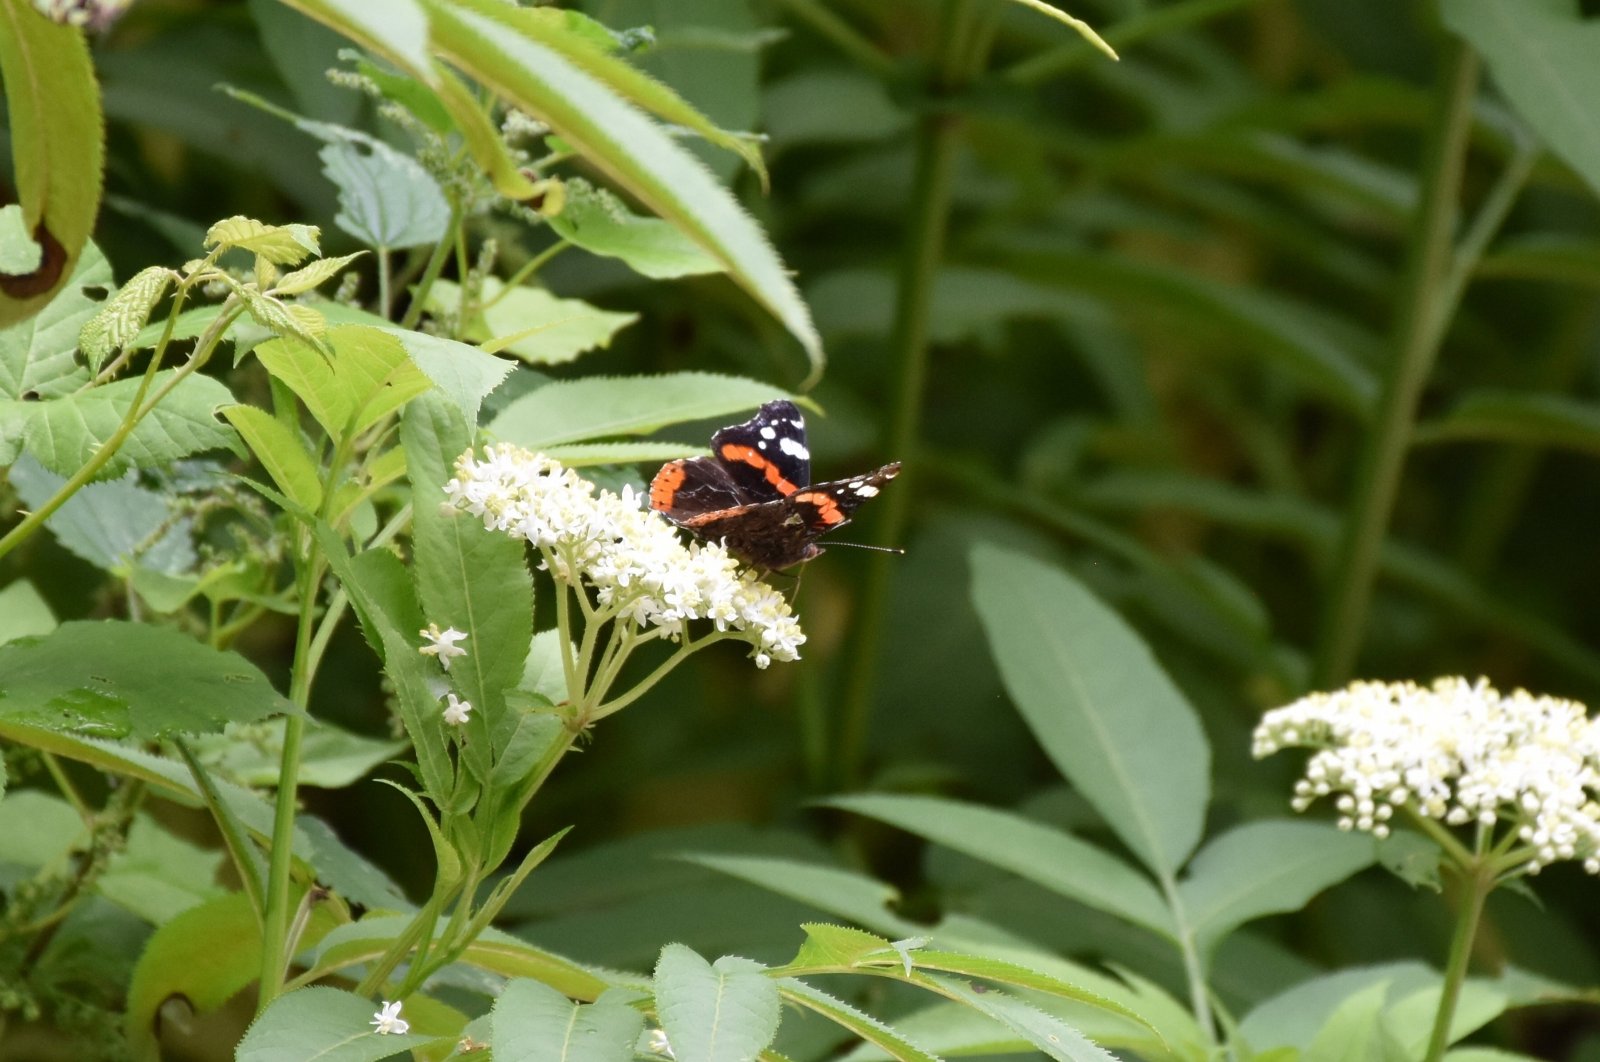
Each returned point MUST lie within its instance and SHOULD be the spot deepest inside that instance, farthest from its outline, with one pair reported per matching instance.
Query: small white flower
(442, 644)
(455, 712)
(388, 1020)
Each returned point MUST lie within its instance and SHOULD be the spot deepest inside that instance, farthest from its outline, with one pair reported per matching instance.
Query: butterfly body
(755, 494)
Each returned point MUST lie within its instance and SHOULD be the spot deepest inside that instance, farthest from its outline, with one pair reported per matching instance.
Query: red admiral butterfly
(755, 495)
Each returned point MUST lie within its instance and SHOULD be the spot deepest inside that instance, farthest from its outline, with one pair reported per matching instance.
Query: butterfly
(755, 495)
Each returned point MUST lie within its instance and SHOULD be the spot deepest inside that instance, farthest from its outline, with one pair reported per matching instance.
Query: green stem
(527, 269)
(1478, 880)
(1193, 966)
(441, 251)
(654, 677)
(1424, 313)
(938, 144)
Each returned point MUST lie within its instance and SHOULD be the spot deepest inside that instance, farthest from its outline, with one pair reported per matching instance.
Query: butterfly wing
(766, 455)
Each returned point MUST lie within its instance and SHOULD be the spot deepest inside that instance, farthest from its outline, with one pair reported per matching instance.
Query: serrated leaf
(57, 150)
(306, 372)
(313, 275)
(531, 323)
(322, 1025)
(65, 432)
(600, 223)
(1042, 854)
(630, 148)
(123, 316)
(1046, 1032)
(868, 1028)
(281, 453)
(330, 757)
(596, 407)
(278, 244)
(285, 319)
(96, 678)
(37, 356)
(375, 370)
(1101, 706)
(386, 199)
(116, 525)
(1263, 868)
(399, 27)
(465, 373)
(829, 945)
(533, 1022)
(722, 1012)
(182, 958)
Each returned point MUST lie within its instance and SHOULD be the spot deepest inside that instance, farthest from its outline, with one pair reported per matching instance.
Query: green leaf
(722, 1012)
(582, 455)
(1102, 708)
(183, 958)
(1041, 854)
(468, 577)
(57, 151)
(118, 526)
(597, 407)
(1264, 868)
(843, 893)
(314, 275)
(1541, 53)
(1019, 976)
(278, 244)
(828, 945)
(97, 678)
(1545, 256)
(123, 316)
(373, 367)
(1506, 416)
(159, 875)
(309, 374)
(23, 612)
(1083, 29)
(535, 1023)
(627, 146)
(465, 373)
(868, 1028)
(38, 356)
(18, 252)
(600, 223)
(324, 1025)
(330, 757)
(1046, 1032)
(1292, 1018)
(386, 199)
(281, 453)
(38, 829)
(531, 323)
(66, 432)
(399, 28)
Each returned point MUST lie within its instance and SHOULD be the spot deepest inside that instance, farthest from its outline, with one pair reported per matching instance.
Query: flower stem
(1424, 313)
(1478, 880)
(441, 251)
(938, 144)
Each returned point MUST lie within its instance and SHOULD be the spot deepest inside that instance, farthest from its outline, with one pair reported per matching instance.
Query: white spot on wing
(761, 444)
(794, 448)
(866, 490)
(768, 432)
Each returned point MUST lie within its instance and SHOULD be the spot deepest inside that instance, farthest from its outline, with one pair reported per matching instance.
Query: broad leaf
(118, 526)
(843, 893)
(307, 372)
(1042, 854)
(531, 323)
(279, 244)
(182, 958)
(722, 1012)
(386, 199)
(66, 432)
(465, 373)
(57, 154)
(596, 407)
(330, 757)
(1107, 715)
(321, 1024)
(535, 1023)
(111, 679)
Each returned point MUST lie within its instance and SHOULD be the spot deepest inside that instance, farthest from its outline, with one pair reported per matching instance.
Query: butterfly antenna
(896, 550)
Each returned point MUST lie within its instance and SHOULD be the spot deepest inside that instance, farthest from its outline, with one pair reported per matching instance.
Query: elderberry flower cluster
(1458, 752)
(640, 570)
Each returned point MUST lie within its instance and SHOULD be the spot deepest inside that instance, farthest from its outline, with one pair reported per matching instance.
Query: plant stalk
(1423, 316)
(938, 144)
(1478, 880)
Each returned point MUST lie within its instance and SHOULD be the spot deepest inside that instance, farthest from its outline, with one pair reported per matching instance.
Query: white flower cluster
(633, 558)
(1456, 751)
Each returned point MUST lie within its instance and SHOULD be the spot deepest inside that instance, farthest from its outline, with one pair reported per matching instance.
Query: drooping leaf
(600, 223)
(97, 678)
(722, 1012)
(596, 407)
(57, 151)
(325, 1024)
(66, 432)
(1099, 703)
(843, 893)
(536, 1023)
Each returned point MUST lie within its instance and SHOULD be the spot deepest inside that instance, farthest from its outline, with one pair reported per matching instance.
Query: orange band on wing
(747, 455)
(665, 486)
(827, 509)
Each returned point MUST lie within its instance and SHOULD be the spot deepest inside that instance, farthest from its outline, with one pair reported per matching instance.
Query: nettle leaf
(66, 432)
(37, 357)
(722, 1012)
(1542, 55)
(278, 244)
(113, 678)
(533, 1022)
(123, 316)
(324, 1024)
(533, 324)
(386, 199)
(116, 525)
(281, 453)
(57, 135)
(600, 223)
(1101, 706)
(602, 407)
(284, 319)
